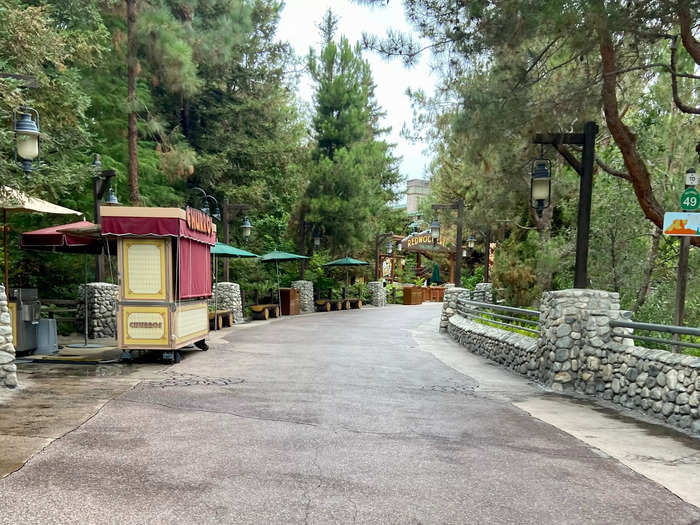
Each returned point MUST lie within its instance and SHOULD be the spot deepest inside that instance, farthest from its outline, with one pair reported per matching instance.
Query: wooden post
(4, 249)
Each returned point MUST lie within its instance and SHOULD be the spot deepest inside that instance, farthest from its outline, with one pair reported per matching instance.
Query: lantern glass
(389, 248)
(435, 229)
(540, 189)
(540, 181)
(27, 146)
(464, 252)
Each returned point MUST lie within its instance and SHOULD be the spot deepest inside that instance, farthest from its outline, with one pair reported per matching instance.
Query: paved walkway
(345, 417)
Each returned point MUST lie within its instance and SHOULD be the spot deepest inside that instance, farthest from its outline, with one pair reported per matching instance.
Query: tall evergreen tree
(353, 171)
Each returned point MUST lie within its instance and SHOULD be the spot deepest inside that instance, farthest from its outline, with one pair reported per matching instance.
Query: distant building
(416, 190)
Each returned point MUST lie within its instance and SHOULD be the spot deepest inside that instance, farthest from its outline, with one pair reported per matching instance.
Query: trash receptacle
(47, 337)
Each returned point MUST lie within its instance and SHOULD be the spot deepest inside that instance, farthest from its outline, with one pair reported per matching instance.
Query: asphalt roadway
(340, 417)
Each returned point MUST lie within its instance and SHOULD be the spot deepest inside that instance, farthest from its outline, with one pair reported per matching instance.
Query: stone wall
(449, 304)
(228, 297)
(102, 309)
(306, 289)
(8, 369)
(578, 351)
(377, 293)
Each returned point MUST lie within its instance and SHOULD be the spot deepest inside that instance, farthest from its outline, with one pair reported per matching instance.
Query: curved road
(338, 417)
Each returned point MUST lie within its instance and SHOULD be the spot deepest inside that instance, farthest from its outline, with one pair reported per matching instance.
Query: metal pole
(590, 129)
(487, 240)
(376, 257)
(458, 248)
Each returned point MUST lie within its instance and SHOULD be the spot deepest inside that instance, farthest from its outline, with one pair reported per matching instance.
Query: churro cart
(164, 277)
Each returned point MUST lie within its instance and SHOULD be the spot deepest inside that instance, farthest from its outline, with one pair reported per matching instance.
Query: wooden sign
(198, 221)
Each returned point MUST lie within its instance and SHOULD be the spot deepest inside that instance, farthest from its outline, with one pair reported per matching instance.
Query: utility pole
(585, 171)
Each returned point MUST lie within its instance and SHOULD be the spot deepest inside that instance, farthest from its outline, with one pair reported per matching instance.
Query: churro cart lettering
(165, 275)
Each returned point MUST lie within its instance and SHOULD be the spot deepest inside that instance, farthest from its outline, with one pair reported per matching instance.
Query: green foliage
(470, 281)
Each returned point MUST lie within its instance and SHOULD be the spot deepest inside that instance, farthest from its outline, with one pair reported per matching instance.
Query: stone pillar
(483, 293)
(574, 330)
(306, 289)
(102, 309)
(377, 293)
(449, 304)
(228, 297)
(8, 369)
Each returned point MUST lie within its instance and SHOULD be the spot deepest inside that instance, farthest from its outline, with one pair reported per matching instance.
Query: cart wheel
(202, 345)
(177, 356)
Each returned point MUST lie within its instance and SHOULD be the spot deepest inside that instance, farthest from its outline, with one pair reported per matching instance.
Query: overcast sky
(298, 25)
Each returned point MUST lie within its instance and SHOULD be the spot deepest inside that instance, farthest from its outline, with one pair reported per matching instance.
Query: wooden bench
(342, 304)
(322, 305)
(265, 311)
(220, 319)
(355, 304)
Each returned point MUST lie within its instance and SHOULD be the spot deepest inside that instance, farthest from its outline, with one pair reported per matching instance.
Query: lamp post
(100, 182)
(317, 239)
(26, 131)
(378, 239)
(459, 206)
(585, 170)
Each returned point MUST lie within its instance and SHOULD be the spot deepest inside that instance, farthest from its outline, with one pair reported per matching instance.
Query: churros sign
(198, 221)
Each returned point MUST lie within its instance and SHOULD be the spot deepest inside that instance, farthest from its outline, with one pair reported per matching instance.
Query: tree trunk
(649, 270)
(131, 59)
(685, 20)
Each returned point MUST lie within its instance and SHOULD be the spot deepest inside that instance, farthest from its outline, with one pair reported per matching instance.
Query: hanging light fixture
(26, 131)
(435, 230)
(389, 248)
(111, 199)
(317, 239)
(470, 241)
(541, 185)
(246, 228)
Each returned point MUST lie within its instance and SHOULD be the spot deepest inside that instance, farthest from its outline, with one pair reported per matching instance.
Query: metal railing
(487, 312)
(651, 327)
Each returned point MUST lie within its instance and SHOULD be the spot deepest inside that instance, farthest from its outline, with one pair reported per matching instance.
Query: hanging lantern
(246, 228)
(111, 199)
(317, 239)
(26, 131)
(541, 185)
(470, 241)
(435, 230)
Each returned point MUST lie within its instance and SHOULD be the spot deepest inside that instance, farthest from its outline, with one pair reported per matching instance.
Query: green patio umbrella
(278, 257)
(345, 262)
(221, 249)
(435, 278)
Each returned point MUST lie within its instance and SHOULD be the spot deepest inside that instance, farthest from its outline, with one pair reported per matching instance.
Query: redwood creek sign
(423, 242)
